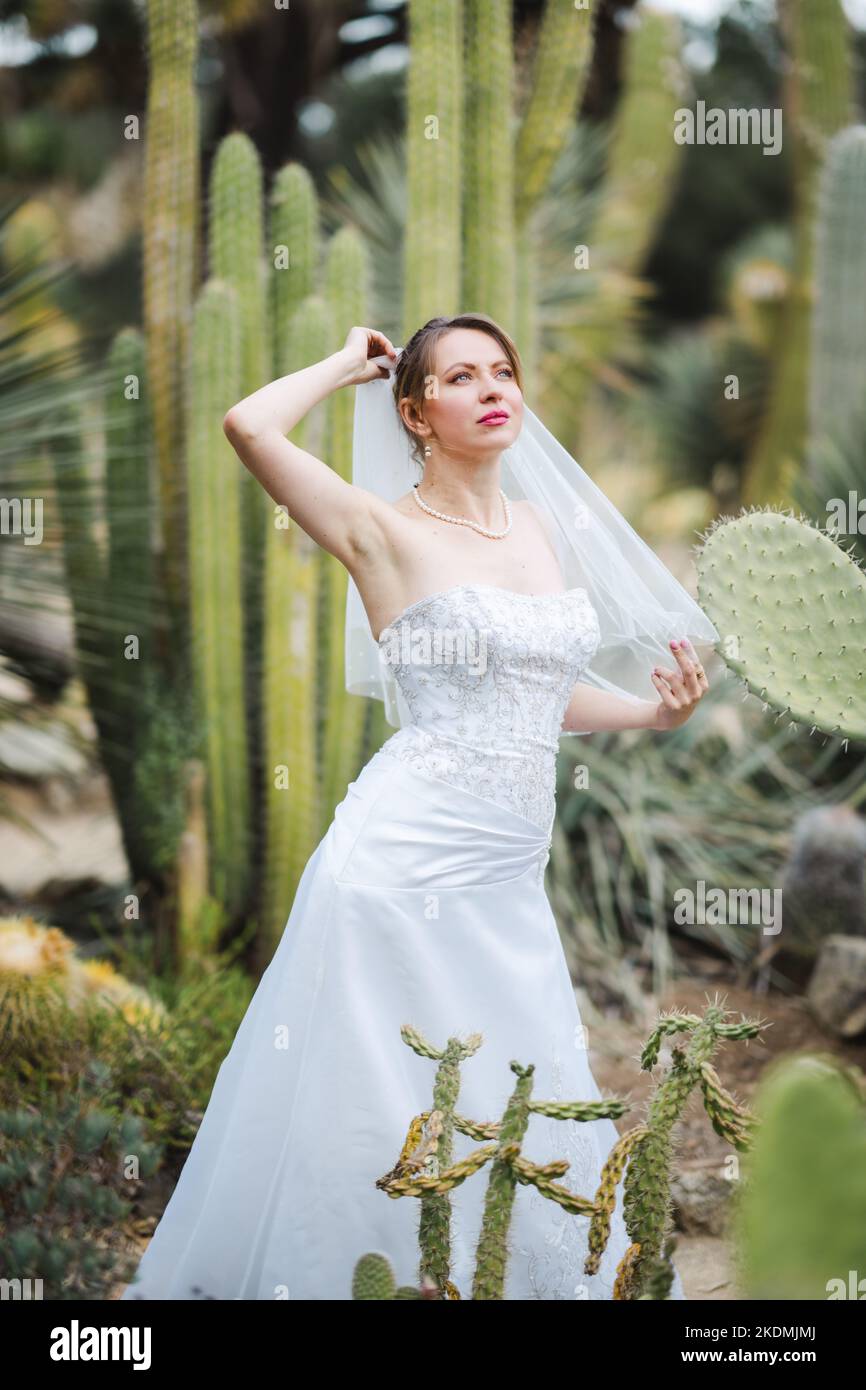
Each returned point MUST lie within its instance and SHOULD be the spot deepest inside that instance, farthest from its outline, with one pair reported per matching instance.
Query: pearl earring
(428, 452)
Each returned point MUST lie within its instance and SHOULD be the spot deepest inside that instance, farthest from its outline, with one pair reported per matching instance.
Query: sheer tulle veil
(639, 604)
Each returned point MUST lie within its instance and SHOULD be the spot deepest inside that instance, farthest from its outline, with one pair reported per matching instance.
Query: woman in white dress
(424, 902)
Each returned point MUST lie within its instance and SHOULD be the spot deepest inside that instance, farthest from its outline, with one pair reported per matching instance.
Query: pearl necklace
(464, 521)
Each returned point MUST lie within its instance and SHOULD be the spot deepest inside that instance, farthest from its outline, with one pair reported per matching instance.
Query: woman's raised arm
(340, 517)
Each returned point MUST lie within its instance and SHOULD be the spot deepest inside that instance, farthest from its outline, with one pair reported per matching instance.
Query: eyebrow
(473, 364)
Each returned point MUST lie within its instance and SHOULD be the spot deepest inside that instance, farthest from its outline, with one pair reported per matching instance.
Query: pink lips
(494, 418)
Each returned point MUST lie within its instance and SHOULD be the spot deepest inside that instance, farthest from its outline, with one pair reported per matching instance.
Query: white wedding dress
(424, 904)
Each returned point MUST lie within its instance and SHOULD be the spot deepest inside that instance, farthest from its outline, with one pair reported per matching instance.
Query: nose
(493, 388)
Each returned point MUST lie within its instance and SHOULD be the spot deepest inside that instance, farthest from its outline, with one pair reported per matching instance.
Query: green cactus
(559, 73)
(290, 689)
(346, 277)
(649, 1146)
(236, 247)
(800, 1213)
(216, 601)
(434, 1231)
(425, 1168)
(374, 1279)
(434, 142)
(791, 610)
(488, 160)
(171, 253)
(838, 349)
(818, 101)
(236, 244)
(643, 159)
(199, 917)
(293, 245)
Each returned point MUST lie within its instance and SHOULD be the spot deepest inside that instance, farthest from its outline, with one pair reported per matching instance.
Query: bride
(424, 902)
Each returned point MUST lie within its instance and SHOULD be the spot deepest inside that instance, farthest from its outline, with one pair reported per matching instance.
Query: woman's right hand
(361, 344)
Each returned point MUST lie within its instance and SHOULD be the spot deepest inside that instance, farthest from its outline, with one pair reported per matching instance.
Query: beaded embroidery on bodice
(487, 674)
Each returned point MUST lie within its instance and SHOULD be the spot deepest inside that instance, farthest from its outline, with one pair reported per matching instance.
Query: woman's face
(473, 379)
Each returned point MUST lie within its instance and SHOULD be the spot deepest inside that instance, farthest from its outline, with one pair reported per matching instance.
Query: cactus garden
(662, 208)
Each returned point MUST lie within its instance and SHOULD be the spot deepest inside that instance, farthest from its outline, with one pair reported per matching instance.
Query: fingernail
(673, 642)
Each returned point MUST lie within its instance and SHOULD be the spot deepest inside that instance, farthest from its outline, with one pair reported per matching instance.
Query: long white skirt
(423, 904)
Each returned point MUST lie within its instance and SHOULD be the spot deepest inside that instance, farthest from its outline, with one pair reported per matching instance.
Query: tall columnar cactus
(790, 606)
(559, 74)
(818, 101)
(643, 159)
(800, 1211)
(649, 1147)
(128, 600)
(434, 141)
(559, 71)
(346, 277)
(199, 916)
(236, 242)
(293, 248)
(170, 243)
(837, 401)
(236, 248)
(488, 160)
(216, 598)
(290, 692)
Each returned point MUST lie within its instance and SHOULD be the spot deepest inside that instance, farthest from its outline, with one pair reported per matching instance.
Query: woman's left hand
(680, 690)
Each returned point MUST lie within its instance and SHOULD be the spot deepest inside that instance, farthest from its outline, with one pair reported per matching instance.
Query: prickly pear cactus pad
(790, 606)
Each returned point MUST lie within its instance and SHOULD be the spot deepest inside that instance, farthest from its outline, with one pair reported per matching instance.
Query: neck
(475, 496)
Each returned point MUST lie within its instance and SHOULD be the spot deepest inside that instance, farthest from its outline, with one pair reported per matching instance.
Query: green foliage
(64, 1174)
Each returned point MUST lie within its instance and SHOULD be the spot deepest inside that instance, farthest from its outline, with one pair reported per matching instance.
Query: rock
(837, 988)
(37, 752)
(701, 1198)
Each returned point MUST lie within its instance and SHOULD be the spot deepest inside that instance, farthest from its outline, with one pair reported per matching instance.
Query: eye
(501, 369)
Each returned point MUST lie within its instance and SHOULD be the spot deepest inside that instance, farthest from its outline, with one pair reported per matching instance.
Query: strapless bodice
(485, 675)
